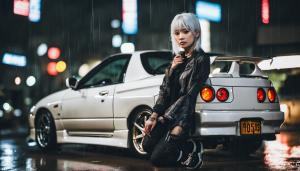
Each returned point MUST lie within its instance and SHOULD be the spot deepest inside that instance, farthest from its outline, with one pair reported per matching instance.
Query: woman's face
(184, 38)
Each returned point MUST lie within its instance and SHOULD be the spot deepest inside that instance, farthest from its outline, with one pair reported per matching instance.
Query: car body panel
(97, 113)
(227, 122)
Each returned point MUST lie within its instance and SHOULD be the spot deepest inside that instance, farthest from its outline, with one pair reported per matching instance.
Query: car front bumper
(227, 123)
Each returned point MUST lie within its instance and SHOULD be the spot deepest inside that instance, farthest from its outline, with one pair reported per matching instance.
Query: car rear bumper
(227, 123)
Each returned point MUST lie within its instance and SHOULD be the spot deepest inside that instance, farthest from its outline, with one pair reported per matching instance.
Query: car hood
(54, 97)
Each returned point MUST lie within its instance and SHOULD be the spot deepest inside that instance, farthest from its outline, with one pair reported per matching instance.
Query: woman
(168, 128)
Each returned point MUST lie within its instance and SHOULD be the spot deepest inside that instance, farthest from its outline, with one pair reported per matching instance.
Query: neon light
(21, 7)
(129, 16)
(13, 59)
(209, 11)
(265, 11)
(35, 10)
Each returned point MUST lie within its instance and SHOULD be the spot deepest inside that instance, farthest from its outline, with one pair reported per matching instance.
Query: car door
(89, 109)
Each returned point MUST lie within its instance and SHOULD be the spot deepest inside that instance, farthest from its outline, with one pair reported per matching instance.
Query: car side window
(156, 62)
(110, 72)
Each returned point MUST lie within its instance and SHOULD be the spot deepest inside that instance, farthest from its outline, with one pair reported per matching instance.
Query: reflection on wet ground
(282, 154)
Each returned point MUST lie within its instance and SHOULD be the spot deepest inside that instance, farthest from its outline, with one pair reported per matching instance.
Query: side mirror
(71, 83)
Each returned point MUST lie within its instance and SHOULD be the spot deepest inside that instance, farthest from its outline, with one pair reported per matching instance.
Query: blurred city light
(53, 53)
(7, 107)
(35, 10)
(60, 66)
(209, 11)
(1, 113)
(265, 11)
(30, 81)
(216, 71)
(51, 68)
(42, 49)
(115, 23)
(27, 101)
(14, 59)
(21, 7)
(129, 16)
(18, 80)
(116, 41)
(31, 144)
(83, 69)
(17, 112)
(283, 108)
(280, 62)
(127, 48)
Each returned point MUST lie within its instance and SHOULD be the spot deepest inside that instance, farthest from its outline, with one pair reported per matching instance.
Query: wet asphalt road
(15, 155)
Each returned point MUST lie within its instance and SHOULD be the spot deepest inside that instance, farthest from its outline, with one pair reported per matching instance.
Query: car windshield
(156, 62)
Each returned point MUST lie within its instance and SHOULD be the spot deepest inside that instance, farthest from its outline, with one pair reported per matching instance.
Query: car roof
(214, 56)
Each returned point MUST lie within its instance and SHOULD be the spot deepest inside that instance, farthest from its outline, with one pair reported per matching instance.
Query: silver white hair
(189, 22)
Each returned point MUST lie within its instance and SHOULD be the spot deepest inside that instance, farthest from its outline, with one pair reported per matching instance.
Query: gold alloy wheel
(137, 130)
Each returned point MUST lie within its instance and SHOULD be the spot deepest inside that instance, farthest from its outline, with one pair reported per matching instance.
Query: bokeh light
(127, 48)
(18, 80)
(53, 53)
(61, 66)
(42, 49)
(51, 68)
(30, 81)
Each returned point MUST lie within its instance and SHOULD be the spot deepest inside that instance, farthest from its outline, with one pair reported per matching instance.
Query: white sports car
(238, 108)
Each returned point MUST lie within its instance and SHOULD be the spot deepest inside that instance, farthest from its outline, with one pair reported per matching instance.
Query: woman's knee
(177, 130)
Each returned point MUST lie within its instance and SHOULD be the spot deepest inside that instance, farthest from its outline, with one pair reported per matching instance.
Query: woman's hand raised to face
(177, 60)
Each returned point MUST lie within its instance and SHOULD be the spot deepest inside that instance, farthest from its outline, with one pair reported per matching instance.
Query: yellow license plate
(250, 127)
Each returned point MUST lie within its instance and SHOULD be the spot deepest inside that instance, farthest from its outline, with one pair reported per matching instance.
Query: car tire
(45, 131)
(244, 147)
(135, 131)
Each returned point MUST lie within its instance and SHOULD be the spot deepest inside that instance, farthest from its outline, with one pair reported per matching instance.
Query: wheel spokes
(138, 127)
(43, 130)
(138, 137)
(138, 131)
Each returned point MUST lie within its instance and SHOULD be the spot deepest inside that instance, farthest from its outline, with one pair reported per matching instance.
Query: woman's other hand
(150, 123)
(176, 61)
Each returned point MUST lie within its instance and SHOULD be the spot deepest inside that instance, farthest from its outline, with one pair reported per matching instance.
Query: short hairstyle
(185, 21)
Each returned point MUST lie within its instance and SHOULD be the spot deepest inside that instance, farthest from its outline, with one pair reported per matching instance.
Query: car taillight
(261, 95)
(207, 94)
(222, 94)
(271, 94)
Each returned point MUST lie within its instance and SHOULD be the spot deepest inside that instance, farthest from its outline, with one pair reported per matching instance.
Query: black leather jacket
(180, 88)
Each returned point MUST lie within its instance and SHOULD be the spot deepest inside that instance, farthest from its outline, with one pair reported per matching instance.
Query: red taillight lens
(271, 94)
(222, 94)
(207, 94)
(261, 95)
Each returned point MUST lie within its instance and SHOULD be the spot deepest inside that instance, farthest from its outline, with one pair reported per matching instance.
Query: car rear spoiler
(234, 69)
(237, 59)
